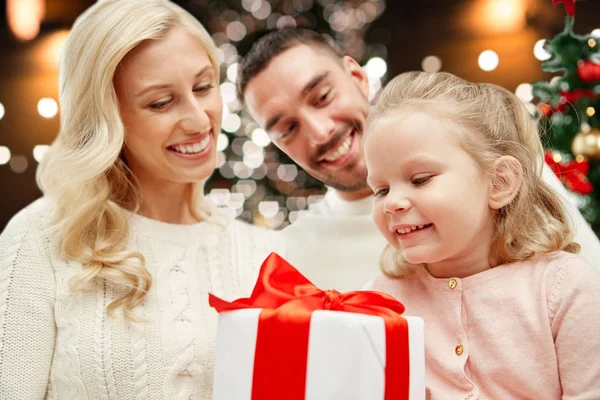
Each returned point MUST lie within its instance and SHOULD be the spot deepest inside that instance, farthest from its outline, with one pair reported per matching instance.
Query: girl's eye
(421, 180)
(203, 89)
(381, 192)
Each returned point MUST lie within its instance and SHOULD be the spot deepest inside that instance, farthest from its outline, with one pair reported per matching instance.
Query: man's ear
(506, 181)
(357, 73)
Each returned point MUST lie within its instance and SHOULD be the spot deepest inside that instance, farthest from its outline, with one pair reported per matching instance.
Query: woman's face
(171, 109)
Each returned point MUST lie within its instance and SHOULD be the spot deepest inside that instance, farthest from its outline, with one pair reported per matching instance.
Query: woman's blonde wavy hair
(492, 122)
(84, 173)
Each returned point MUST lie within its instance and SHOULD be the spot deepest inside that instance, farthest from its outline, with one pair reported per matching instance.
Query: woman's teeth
(408, 229)
(192, 148)
(341, 151)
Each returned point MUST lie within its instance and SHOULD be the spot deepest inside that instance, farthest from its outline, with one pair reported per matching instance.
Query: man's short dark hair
(271, 45)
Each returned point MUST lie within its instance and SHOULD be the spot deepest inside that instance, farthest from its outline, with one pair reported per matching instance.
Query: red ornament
(588, 71)
(545, 109)
(568, 98)
(573, 174)
(569, 6)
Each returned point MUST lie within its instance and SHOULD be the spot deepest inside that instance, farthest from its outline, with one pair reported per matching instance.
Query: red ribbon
(573, 174)
(288, 300)
(569, 6)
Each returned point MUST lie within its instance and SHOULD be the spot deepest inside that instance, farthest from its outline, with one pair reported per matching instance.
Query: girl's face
(171, 108)
(431, 197)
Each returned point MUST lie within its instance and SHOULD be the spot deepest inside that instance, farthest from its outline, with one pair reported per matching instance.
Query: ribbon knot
(332, 300)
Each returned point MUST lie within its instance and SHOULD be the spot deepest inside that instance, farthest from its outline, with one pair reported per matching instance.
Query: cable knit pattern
(65, 353)
(6, 268)
(55, 344)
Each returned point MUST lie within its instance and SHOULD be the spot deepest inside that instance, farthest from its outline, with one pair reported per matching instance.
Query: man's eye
(324, 97)
(289, 130)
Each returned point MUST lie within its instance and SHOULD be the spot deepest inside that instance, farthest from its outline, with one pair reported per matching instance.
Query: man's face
(314, 106)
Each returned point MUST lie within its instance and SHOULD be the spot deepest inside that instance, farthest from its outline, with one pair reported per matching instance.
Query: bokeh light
(488, 60)
(47, 107)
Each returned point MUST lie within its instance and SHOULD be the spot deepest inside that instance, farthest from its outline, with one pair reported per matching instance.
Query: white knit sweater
(58, 345)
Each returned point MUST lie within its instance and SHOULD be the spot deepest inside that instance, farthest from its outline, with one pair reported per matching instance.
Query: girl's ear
(506, 181)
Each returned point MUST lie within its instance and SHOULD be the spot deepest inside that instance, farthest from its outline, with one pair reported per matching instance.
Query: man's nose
(320, 128)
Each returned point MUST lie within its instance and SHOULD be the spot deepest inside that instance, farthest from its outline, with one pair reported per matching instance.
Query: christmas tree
(569, 107)
(254, 181)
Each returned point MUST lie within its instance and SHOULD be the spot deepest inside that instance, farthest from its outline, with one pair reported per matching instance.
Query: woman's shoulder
(35, 216)
(22, 239)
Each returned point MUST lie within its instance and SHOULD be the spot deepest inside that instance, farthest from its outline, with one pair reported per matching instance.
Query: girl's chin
(417, 256)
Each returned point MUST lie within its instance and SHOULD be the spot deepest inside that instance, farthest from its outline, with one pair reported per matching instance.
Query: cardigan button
(459, 349)
(452, 283)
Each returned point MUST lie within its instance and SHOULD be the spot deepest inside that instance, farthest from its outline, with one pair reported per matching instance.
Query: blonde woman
(480, 245)
(104, 281)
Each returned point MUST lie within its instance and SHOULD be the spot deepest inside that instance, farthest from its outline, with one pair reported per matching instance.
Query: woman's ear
(357, 73)
(506, 181)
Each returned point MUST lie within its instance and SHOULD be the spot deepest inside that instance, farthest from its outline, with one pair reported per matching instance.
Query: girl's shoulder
(560, 263)
(563, 277)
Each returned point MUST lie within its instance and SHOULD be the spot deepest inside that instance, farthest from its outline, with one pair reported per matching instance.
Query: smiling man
(313, 102)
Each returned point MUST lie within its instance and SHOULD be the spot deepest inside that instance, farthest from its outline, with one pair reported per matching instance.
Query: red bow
(568, 98)
(569, 5)
(288, 300)
(573, 174)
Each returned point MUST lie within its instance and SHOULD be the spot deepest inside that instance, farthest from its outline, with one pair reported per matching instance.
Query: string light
(376, 67)
(4, 155)
(2, 111)
(524, 92)
(39, 151)
(431, 64)
(539, 52)
(47, 108)
(24, 17)
(18, 164)
(488, 60)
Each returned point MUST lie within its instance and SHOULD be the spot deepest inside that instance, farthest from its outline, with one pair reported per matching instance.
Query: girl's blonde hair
(84, 172)
(492, 122)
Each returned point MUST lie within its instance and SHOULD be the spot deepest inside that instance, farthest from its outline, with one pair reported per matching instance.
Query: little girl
(479, 246)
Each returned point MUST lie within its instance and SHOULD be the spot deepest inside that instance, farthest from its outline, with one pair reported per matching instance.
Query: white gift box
(346, 356)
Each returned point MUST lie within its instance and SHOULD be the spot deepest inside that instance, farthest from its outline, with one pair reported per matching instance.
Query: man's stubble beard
(357, 180)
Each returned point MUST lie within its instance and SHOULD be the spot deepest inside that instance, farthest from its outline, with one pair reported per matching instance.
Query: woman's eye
(160, 105)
